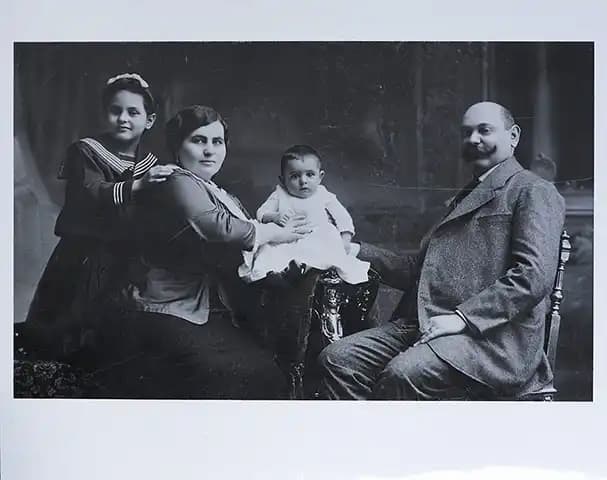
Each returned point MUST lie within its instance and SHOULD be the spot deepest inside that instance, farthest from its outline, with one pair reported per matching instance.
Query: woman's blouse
(192, 234)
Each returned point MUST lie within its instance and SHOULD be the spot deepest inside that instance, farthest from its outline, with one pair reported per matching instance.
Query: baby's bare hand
(346, 238)
(347, 245)
(283, 218)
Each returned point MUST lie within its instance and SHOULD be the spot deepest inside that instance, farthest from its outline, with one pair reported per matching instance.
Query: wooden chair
(553, 322)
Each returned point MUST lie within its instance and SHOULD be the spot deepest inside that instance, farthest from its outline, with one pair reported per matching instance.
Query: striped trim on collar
(118, 193)
(119, 165)
(114, 162)
(145, 164)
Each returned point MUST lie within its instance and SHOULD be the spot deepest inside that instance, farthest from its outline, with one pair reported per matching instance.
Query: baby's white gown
(321, 249)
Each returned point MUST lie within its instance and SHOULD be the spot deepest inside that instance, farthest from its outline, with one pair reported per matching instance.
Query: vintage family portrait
(304, 220)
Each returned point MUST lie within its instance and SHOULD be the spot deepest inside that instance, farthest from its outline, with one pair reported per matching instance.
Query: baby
(300, 193)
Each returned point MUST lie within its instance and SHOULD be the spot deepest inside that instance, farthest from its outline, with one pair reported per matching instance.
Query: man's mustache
(473, 152)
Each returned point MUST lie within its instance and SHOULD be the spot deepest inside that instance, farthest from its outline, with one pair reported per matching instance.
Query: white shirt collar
(486, 174)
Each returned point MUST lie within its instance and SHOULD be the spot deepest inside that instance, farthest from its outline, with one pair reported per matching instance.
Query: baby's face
(302, 176)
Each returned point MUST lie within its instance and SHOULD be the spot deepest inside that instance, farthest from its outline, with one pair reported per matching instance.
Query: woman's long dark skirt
(171, 358)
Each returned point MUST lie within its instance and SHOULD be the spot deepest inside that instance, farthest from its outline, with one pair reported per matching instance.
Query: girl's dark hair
(187, 120)
(297, 152)
(130, 84)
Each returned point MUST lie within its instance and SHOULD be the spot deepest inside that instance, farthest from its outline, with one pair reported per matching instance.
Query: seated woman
(193, 235)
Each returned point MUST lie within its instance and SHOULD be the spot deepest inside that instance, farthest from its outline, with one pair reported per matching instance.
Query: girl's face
(302, 176)
(127, 118)
(204, 150)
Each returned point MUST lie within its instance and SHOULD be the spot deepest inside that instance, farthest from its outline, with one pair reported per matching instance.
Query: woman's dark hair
(297, 152)
(187, 120)
(132, 84)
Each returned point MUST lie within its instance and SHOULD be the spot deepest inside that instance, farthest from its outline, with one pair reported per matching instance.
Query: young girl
(300, 193)
(103, 175)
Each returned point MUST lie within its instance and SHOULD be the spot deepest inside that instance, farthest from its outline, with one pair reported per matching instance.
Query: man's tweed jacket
(493, 258)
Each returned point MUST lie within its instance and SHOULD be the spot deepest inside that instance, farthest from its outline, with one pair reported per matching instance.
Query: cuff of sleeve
(250, 250)
(122, 192)
(470, 326)
(263, 233)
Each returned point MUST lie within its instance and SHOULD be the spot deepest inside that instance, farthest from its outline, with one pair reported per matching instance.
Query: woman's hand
(156, 174)
(299, 223)
(278, 218)
(296, 228)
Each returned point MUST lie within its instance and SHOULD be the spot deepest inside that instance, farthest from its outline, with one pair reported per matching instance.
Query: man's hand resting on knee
(440, 326)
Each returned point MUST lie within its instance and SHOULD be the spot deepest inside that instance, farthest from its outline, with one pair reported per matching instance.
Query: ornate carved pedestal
(303, 319)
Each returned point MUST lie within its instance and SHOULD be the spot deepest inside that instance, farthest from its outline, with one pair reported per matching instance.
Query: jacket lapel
(485, 191)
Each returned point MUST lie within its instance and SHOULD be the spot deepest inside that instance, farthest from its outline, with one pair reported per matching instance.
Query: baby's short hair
(297, 152)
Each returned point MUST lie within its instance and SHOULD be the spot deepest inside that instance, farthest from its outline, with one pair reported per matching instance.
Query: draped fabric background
(385, 117)
(359, 104)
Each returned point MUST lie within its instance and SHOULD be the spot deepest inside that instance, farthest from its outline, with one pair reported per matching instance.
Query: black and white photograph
(304, 220)
(303, 240)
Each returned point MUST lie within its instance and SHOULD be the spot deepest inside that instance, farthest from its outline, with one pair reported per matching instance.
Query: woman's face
(204, 150)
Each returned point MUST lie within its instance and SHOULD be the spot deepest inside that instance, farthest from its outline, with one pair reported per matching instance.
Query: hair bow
(133, 76)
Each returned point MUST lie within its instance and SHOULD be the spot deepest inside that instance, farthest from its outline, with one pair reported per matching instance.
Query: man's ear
(321, 174)
(515, 135)
(281, 180)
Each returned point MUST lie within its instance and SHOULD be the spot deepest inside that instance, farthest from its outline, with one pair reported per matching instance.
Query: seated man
(472, 318)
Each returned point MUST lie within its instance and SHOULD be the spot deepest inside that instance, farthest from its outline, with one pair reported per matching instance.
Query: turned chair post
(553, 320)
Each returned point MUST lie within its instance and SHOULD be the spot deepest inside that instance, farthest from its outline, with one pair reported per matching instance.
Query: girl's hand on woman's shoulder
(156, 174)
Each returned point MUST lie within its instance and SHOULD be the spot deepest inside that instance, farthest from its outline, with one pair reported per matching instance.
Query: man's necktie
(463, 193)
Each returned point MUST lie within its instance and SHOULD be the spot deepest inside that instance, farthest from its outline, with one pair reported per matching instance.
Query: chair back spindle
(553, 321)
